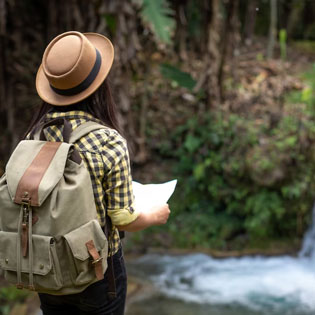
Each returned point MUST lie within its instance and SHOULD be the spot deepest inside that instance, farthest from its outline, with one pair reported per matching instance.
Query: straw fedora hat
(74, 65)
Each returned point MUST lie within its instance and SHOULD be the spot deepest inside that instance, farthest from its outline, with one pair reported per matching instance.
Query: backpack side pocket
(81, 265)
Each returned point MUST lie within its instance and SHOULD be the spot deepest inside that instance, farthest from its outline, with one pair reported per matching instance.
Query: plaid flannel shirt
(105, 154)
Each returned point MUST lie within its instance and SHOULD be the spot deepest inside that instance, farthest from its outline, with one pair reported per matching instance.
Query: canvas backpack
(50, 238)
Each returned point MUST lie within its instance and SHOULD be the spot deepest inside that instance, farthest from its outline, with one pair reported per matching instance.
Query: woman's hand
(157, 215)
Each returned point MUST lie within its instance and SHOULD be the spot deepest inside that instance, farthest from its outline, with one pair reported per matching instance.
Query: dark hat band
(85, 83)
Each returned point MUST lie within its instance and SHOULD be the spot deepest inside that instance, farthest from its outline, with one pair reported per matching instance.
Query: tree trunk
(213, 56)
(2, 53)
(250, 21)
(181, 31)
(297, 8)
(272, 29)
(230, 41)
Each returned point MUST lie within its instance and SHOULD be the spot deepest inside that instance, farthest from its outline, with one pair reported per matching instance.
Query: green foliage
(239, 179)
(158, 15)
(177, 77)
(283, 43)
(307, 94)
(9, 296)
(260, 57)
(111, 22)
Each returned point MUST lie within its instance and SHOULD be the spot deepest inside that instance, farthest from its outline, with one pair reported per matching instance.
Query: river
(199, 284)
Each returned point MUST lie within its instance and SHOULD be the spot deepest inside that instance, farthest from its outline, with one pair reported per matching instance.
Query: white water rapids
(281, 285)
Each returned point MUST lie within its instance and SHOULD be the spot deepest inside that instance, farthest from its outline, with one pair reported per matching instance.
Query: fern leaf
(158, 15)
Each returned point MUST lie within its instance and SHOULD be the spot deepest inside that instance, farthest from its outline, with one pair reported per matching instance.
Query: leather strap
(24, 236)
(97, 259)
(111, 279)
(39, 133)
(29, 182)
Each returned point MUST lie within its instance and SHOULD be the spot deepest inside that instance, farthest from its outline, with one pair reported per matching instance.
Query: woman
(72, 83)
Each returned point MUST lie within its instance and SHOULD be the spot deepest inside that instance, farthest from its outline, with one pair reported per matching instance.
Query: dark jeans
(94, 299)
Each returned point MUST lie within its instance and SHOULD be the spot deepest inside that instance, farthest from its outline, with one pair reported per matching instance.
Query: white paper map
(150, 195)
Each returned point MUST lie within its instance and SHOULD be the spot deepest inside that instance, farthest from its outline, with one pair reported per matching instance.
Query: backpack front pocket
(82, 265)
(46, 270)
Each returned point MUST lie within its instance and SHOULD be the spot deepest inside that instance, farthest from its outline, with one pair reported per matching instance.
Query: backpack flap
(78, 238)
(34, 169)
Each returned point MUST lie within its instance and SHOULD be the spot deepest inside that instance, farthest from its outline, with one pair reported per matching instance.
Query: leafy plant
(9, 296)
(158, 15)
(111, 22)
(283, 43)
(307, 94)
(177, 76)
(239, 179)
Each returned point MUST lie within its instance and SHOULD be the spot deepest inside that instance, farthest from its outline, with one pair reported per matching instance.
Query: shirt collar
(74, 114)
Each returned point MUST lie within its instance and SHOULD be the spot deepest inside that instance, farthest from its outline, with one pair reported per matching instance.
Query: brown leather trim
(24, 236)
(76, 157)
(34, 219)
(67, 129)
(29, 182)
(97, 259)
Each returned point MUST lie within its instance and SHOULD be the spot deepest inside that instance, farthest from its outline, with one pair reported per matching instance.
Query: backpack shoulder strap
(76, 134)
(84, 129)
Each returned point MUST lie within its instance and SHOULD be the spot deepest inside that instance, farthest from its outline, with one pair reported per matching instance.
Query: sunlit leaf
(158, 15)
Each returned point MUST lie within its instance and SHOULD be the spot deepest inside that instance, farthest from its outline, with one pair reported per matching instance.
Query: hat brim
(47, 94)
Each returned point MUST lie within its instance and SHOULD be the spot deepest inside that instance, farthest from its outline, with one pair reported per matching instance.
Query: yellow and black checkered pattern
(105, 155)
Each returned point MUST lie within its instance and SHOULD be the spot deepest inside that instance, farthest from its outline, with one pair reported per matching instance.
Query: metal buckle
(26, 202)
(97, 260)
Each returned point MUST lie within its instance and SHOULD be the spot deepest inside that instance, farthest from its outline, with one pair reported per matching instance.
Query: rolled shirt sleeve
(118, 182)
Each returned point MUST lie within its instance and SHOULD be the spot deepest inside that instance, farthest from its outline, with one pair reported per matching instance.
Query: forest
(216, 93)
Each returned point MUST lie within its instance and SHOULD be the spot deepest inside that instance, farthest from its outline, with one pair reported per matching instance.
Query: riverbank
(221, 254)
(158, 242)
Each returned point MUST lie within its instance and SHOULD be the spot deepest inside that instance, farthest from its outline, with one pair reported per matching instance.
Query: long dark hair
(100, 105)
